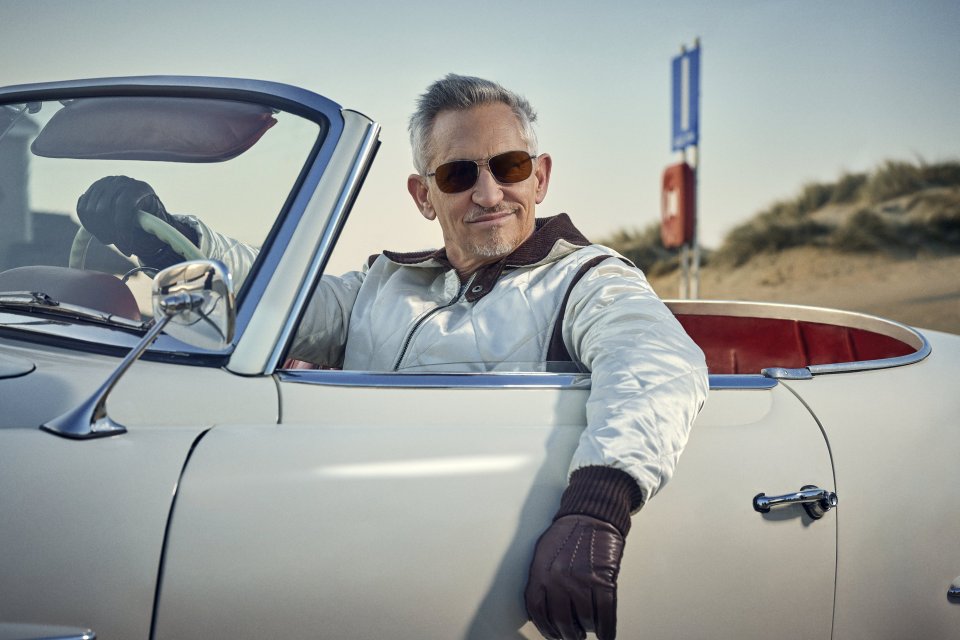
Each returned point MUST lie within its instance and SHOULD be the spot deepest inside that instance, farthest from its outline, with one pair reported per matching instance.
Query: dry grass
(644, 248)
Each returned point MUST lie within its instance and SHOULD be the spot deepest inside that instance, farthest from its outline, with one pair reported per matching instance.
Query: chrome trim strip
(747, 382)
(392, 380)
(784, 373)
(868, 365)
(291, 98)
(512, 380)
(28, 631)
(337, 218)
(803, 313)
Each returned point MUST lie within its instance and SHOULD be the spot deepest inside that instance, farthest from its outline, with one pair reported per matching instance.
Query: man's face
(489, 220)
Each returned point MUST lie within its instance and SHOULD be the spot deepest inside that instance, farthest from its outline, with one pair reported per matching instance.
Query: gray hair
(459, 93)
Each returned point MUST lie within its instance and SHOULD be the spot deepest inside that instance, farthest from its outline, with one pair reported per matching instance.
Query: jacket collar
(552, 238)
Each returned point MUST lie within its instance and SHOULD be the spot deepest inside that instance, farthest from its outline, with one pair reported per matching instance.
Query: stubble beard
(498, 243)
(497, 247)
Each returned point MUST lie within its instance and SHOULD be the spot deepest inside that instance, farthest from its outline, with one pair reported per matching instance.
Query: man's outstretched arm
(648, 381)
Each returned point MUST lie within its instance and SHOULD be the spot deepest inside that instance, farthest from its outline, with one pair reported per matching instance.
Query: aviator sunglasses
(507, 168)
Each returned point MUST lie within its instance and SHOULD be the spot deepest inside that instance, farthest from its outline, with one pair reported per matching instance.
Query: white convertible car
(167, 472)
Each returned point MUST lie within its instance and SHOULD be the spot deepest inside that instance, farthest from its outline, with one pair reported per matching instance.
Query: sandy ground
(922, 292)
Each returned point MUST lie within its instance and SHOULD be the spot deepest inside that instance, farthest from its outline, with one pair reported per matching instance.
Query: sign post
(685, 133)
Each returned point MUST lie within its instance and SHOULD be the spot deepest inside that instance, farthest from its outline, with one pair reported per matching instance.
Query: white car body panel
(444, 491)
(896, 445)
(82, 542)
(701, 562)
(150, 394)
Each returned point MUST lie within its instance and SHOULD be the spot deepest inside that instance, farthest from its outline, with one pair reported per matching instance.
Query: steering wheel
(151, 224)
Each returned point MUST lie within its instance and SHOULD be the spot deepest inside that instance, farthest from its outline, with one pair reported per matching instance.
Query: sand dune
(922, 292)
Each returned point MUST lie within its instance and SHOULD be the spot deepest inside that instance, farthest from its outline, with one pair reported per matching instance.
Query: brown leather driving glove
(572, 587)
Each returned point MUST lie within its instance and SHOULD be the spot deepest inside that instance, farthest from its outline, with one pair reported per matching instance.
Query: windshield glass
(80, 180)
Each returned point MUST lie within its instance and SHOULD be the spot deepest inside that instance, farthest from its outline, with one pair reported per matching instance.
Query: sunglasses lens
(457, 176)
(507, 168)
(511, 167)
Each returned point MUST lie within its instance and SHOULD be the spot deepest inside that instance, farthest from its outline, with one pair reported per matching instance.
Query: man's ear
(417, 186)
(542, 174)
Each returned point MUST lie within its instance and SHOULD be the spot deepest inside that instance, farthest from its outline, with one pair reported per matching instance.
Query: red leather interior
(747, 345)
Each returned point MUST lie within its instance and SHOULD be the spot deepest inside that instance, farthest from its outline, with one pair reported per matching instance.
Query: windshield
(194, 164)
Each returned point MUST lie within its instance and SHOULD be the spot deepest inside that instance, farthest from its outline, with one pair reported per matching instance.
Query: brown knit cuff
(604, 493)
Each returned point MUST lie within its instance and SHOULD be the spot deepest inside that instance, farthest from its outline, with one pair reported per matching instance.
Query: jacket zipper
(424, 317)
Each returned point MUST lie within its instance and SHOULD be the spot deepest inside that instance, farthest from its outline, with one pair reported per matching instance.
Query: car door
(703, 561)
(408, 505)
(82, 522)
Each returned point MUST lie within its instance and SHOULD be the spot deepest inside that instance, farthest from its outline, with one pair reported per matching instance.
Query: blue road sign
(686, 100)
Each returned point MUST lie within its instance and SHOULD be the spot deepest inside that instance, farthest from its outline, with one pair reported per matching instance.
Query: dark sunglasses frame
(459, 175)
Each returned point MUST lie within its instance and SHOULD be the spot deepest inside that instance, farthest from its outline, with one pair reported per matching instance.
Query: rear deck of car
(745, 338)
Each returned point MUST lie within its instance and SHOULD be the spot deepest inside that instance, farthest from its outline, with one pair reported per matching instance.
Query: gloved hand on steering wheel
(109, 208)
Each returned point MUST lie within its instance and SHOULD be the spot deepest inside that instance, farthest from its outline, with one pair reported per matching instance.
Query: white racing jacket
(556, 298)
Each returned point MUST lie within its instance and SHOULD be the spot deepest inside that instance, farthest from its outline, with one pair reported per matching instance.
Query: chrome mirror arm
(197, 296)
(90, 419)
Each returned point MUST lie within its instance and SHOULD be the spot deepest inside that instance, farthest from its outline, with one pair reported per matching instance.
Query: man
(505, 287)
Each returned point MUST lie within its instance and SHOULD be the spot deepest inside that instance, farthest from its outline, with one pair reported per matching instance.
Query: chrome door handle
(815, 501)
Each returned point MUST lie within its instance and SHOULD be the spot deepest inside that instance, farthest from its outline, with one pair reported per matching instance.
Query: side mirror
(194, 300)
(197, 296)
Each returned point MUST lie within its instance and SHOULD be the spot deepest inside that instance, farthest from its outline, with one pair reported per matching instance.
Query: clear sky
(792, 90)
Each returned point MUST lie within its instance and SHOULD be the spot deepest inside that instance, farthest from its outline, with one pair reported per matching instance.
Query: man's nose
(487, 191)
